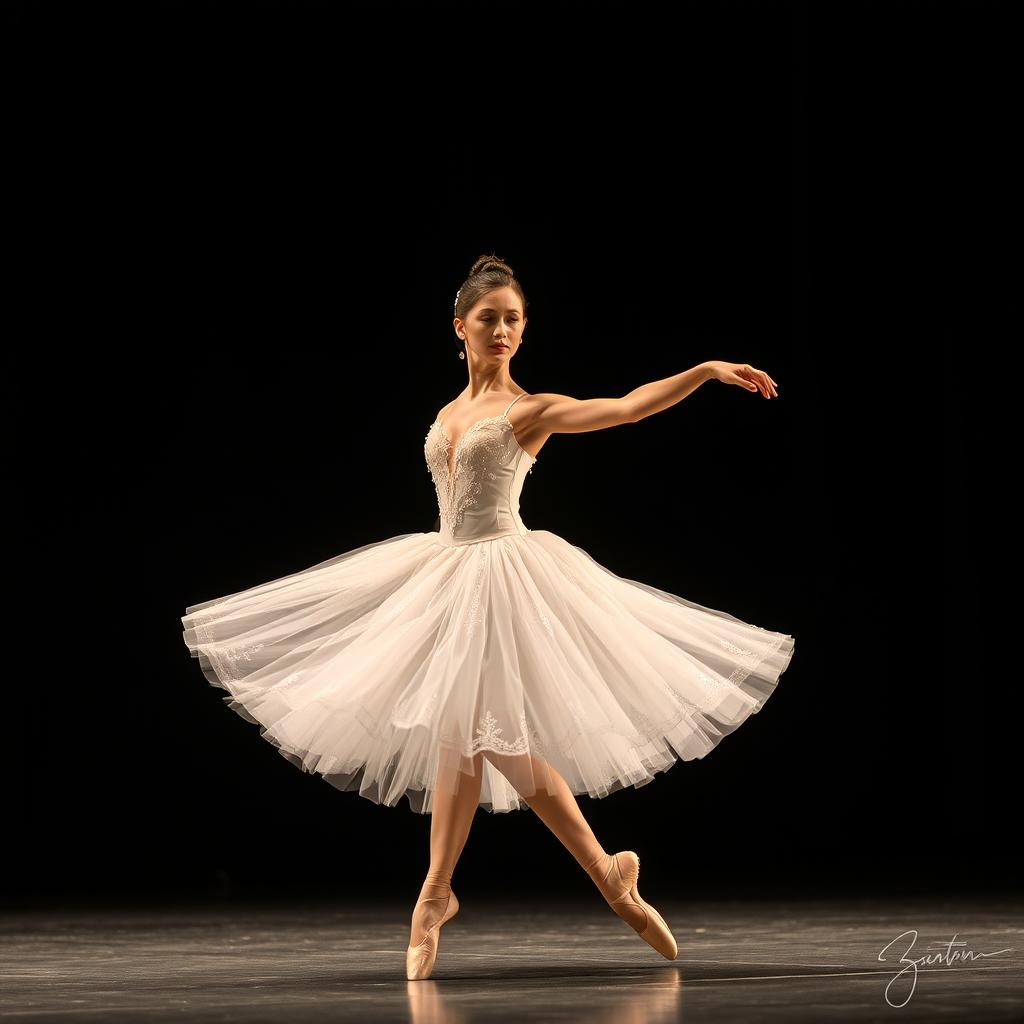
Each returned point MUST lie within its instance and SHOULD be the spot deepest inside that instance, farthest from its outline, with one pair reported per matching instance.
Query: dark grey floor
(786, 961)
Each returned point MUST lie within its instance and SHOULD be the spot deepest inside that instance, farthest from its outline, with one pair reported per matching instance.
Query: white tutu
(388, 668)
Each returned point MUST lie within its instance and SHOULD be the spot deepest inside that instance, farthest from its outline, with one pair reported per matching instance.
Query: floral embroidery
(488, 736)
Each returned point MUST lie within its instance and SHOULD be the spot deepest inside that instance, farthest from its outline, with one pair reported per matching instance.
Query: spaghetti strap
(513, 402)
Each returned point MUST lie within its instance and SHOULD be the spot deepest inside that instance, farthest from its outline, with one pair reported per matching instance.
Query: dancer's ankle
(430, 904)
(437, 880)
(597, 868)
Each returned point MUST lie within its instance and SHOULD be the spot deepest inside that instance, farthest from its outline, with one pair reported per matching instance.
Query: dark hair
(485, 275)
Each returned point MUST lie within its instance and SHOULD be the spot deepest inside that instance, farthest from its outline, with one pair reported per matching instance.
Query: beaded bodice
(478, 486)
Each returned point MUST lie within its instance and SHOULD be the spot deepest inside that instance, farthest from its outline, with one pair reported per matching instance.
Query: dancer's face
(496, 317)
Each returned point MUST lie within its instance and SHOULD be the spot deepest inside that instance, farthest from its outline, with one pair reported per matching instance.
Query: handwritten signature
(949, 957)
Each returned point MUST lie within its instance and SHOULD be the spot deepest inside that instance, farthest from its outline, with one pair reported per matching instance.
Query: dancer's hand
(743, 375)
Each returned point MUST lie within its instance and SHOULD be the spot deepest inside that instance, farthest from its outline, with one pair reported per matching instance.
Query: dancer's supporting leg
(556, 806)
(450, 822)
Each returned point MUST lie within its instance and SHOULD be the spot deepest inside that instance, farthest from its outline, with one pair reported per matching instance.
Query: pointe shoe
(419, 959)
(621, 878)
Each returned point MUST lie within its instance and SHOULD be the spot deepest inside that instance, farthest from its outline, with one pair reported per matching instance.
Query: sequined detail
(398, 608)
(647, 729)
(710, 680)
(537, 744)
(475, 616)
(241, 652)
(201, 620)
(459, 488)
(749, 660)
(227, 659)
(539, 612)
(734, 648)
(482, 458)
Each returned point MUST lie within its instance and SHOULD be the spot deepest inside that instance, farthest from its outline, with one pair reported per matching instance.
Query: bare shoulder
(446, 409)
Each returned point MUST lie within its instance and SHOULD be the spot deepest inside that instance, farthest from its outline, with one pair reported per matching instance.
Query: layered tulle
(407, 665)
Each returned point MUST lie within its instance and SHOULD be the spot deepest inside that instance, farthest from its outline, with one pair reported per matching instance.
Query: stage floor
(515, 961)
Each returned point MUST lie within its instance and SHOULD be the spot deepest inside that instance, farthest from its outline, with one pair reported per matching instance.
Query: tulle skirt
(407, 667)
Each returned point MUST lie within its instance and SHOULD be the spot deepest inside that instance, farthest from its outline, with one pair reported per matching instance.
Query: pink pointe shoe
(419, 959)
(621, 879)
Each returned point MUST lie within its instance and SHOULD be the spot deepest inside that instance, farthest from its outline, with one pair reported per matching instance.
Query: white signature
(948, 957)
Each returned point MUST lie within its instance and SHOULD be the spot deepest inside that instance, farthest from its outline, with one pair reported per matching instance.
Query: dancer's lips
(499, 347)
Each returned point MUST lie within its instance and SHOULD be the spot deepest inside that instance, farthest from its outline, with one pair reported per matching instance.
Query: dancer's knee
(526, 773)
(507, 764)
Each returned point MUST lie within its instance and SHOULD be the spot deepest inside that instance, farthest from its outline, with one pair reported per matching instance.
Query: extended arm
(660, 394)
(561, 414)
(648, 399)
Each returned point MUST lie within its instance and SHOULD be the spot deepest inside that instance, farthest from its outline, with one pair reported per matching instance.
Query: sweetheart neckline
(444, 433)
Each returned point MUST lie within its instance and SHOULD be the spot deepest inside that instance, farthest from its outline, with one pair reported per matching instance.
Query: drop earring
(462, 354)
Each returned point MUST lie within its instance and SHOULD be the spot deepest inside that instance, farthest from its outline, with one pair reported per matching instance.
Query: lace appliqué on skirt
(488, 736)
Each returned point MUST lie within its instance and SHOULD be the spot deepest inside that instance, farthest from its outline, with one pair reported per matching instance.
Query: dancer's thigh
(527, 773)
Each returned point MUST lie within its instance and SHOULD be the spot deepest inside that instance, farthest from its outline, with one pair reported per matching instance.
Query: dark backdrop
(243, 227)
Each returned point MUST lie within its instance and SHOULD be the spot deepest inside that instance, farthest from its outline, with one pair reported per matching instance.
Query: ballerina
(488, 664)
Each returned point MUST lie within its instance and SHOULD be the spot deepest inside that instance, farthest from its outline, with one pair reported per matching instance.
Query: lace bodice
(479, 497)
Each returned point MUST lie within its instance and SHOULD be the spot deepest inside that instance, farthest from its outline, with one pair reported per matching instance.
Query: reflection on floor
(784, 961)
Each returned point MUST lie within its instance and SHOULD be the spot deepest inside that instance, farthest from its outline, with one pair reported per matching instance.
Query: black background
(238, 230)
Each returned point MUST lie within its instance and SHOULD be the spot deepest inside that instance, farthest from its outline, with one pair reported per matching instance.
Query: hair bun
(490, 262)
(487, 273)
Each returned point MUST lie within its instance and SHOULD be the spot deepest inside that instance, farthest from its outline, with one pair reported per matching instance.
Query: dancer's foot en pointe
(616, 876)
(436, 905)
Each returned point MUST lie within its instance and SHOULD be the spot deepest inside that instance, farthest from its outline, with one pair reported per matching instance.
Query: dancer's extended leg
(450, 822)
(556, 806)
